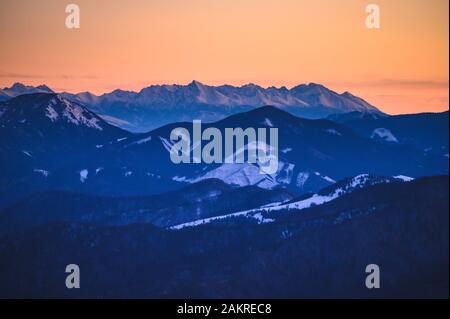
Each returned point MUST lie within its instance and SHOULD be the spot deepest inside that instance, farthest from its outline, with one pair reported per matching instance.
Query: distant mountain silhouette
(427, 132)
(19, 89)
(158, 105)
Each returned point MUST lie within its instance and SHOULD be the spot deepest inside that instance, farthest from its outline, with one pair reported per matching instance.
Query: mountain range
(158, 105)
(201, 203)
(430, 132)
(351, 189)
(19, 89)
(317, 252)
(49, 142)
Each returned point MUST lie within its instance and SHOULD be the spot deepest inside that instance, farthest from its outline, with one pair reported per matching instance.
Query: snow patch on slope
(242, 174)
(404, 178)
(246, 174)
(27, 153)
(44, 172)
(268, 122)
(329, 179)
(334, 132)
(302, 177)
(72, 112)
(84, 175)
(143, 141)
(384, 134)
(51, 113)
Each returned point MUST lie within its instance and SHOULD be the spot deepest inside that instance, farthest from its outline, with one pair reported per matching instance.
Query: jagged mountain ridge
(19, 89)
(158, 105)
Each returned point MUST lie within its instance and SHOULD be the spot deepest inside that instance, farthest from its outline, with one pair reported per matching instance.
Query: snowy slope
(46, 132)
(158, 105)
(326, 195)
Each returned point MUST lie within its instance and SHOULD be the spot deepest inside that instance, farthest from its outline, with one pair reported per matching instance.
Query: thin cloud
(397, 83)
(12, 75)
(20, 76)
(411, 83)
(72, 77)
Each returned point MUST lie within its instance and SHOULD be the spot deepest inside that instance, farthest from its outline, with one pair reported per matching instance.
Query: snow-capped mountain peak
(71, 112)
(48, 108)
(196, 100)
(19, 89)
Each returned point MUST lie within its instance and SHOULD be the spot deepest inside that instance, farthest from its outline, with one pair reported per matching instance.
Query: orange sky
(130, 44)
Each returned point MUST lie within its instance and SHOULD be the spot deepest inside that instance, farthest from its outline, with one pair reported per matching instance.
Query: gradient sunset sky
(130, 44)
